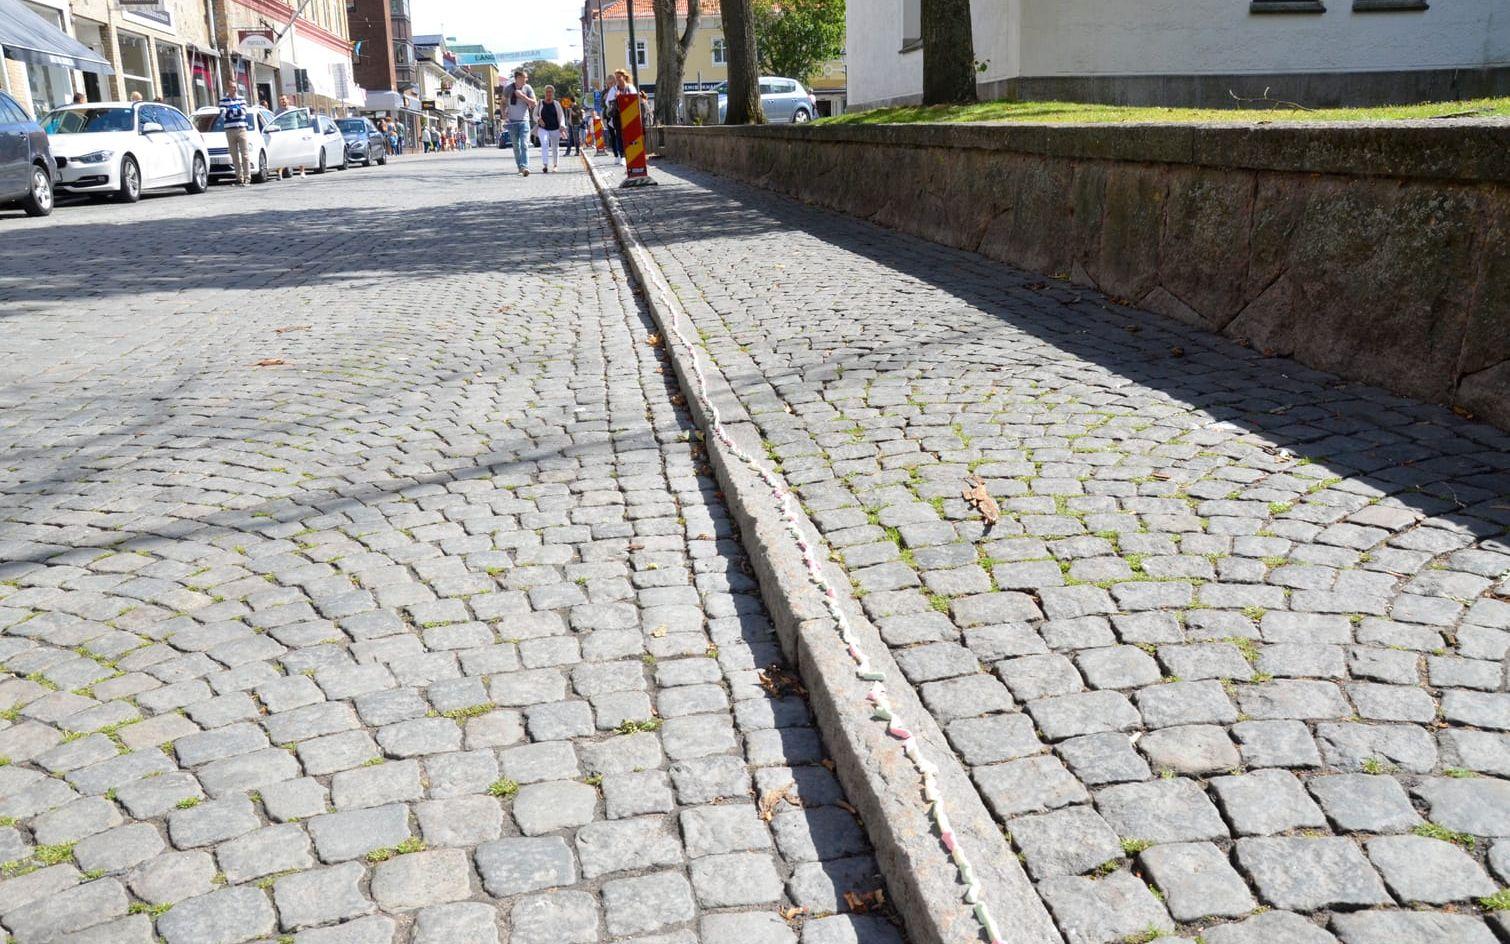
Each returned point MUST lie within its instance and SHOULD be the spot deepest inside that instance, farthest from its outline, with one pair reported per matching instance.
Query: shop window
(170, 74)
(136, 65)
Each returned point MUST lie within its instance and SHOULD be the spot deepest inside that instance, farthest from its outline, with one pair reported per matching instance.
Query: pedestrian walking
(574, 120)
(233, 120)
(612, 120)
(552, 123)
(521, 103)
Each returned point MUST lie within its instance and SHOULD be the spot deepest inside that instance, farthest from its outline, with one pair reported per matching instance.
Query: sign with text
(525, 55)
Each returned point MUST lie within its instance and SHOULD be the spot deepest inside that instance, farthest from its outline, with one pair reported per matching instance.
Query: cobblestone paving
(1230, 666)
(433, 631)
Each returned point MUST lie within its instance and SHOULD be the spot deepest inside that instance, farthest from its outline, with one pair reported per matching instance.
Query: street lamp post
(602, 49)
(634, 50)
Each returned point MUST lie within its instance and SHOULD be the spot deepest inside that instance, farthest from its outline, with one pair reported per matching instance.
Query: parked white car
(212, 129)
(125, 148)
(300, 138)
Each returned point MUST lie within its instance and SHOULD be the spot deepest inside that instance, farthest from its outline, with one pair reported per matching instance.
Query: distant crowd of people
(550, 120)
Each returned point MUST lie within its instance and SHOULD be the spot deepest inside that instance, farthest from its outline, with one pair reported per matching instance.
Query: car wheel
(383, 159)
(199, 177)
(131, 181)
(321, 168)
(801, 117)
(38, 200)
(261, 175)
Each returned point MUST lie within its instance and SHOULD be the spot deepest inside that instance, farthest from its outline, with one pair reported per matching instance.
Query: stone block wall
(1378, 252)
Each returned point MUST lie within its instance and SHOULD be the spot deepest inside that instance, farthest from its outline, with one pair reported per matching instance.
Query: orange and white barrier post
(597, 134)
(632, 129)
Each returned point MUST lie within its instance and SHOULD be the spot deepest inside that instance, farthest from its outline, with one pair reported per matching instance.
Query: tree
(948, 52)
(671, 57)
(744, 66)
(566, 78)
(796, 37)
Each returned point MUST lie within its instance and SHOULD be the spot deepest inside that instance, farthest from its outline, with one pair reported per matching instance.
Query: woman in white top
(549, 124)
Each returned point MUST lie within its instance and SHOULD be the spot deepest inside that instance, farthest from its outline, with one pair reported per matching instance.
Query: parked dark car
(364, 142)
(27, 171)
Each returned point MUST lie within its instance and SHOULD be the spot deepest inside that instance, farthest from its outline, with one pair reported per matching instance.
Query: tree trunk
(948, 53)
(671, 58)
(744, 68)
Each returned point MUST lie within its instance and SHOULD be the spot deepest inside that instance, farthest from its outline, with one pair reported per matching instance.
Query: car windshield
(352, 124)
(87, 120)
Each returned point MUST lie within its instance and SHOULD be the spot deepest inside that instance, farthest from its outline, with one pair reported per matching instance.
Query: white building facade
(1198, 52)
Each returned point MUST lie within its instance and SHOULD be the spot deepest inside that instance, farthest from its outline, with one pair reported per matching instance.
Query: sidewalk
(1231, 662)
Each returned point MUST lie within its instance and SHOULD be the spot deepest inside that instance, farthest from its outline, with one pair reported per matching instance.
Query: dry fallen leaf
(1176, 352)
(287, 328)
(848, 808)
(778, 681)
(791, 914)
(1161, 475)
(658, 632)
(865, 901)
(975, 493)
(772, 798)
(1464, 413)
(653, 340)
(270, 362)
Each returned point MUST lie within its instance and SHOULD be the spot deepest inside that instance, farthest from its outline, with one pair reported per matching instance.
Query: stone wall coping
(1436, 149)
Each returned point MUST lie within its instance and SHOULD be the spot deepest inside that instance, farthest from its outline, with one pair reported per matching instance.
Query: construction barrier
(597, 133)
(632, 131)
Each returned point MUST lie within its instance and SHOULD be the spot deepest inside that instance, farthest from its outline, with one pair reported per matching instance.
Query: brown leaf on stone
(654, 340)
(772, 798)
(270, 362)
(778, 682)
(1161, 475)
(658, 632)
(287, 328)
(792, 913)
(975, 493)
(1176, 352)
(1462, 412)
(864, 901)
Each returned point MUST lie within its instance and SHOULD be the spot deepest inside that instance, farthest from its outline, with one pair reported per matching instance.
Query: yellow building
(706, 65)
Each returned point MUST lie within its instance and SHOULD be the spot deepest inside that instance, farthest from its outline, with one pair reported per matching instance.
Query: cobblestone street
(360, 583)
(362, 579)
(1230, 666)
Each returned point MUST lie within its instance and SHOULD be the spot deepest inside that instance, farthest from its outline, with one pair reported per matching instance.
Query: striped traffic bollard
(632, 129)
(597, 134)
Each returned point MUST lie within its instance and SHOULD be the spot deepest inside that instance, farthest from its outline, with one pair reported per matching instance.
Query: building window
(720, 53)
(170, 72)
(1286, 6)
(912, 25)
(639, 53)
(1380, 6)
(136, 65)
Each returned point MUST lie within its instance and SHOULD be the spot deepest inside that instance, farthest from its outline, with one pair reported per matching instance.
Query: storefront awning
(28, 37)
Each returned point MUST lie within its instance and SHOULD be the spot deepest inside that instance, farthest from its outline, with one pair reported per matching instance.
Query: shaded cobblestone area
(1231, 664)
(433, 629)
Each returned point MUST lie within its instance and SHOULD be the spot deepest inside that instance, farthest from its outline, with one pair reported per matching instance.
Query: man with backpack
(520, 99)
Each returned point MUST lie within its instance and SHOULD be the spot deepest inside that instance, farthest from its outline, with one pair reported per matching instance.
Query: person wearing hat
(520, 99)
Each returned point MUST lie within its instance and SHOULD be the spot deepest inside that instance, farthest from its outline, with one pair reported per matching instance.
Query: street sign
(525, 55)
(632, 129)
(255, 40)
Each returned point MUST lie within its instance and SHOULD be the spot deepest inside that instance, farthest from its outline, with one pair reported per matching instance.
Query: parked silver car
(784, 100)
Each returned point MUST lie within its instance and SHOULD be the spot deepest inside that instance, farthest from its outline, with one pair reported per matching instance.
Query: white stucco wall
(1081, 37)
(1179, 37)
(877, 69)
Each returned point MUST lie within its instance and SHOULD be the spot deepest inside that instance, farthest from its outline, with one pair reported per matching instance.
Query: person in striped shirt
(234, 119)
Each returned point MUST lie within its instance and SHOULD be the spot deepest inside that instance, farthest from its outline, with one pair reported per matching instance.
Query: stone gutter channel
(879, 779)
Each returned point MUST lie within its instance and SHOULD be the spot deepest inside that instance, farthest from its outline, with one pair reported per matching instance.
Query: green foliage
(1433, 831)
(795, 37)
(566, 78)
(503, 788)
